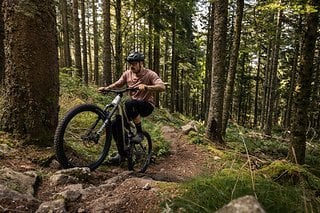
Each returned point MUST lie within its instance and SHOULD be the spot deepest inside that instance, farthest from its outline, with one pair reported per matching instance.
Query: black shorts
(138, 107)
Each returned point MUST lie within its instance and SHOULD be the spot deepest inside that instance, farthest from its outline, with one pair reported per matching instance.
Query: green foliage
(288, 174)
(160, 146)
(207, 194)
(240, 138)
(279, 186)
(74, 92)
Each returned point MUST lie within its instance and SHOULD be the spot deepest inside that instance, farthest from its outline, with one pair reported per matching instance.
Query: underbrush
(253, 164)
(209, 193)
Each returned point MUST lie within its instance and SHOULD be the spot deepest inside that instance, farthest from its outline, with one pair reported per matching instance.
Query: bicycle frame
(117, 109)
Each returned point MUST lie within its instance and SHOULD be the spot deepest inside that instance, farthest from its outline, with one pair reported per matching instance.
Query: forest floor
(132, 192)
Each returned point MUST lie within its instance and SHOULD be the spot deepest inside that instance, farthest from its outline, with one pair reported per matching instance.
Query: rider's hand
(102, 89)
(143, 87)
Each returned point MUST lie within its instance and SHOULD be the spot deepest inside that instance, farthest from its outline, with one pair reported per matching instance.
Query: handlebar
(120, 91)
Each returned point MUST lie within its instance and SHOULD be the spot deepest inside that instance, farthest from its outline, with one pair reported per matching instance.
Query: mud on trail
(114, 189)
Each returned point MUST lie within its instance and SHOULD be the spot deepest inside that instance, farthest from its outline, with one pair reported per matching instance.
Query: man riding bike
(141, 103)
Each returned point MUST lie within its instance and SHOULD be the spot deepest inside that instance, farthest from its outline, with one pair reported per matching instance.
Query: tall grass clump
(208, 194)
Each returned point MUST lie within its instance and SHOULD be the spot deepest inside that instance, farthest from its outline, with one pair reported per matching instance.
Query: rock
(10, 199)
(56, 206)
(82, 173)
(70, 193)
(20, 182)
(62, 179)
(67, 176)
(191, 126)
(147, 186)
(4, 149)
(246, 204)
(216, 158)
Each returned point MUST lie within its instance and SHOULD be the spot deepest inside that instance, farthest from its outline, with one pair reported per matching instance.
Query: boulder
(20, 182)
(67, 176)
(70, 193)
(57, 206)
(13, 201)
(191, 126)
(246, 204)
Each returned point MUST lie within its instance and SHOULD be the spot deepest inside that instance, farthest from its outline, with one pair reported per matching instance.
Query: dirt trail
(140, 193)
(117, 190)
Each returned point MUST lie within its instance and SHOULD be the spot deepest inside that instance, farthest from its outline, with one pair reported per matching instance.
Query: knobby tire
(78, 146)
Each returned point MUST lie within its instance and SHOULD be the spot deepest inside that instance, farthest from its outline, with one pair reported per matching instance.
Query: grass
(254, 165)
(207, 194)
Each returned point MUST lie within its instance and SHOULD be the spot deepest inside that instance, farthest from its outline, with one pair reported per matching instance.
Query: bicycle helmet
(135, 56)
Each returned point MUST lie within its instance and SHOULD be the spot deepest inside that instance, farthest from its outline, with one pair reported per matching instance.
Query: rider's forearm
(156, 87)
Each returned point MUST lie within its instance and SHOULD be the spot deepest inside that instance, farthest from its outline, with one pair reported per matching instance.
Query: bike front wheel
(76, 141)
(140, 154)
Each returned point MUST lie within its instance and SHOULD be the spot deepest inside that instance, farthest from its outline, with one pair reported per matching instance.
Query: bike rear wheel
(139, 156)
(76, 141)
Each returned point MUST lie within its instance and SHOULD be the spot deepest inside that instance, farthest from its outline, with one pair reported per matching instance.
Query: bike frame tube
(115, 105)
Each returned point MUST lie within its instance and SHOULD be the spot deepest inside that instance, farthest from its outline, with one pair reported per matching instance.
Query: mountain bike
(84, 136)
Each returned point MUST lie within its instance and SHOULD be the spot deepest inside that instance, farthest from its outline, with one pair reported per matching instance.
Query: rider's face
(134, 66)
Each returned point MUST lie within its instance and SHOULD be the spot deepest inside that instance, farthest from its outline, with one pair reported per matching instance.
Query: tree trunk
(265, 99)
(66, 38)
(32, 77)
(166, 71)
(90, 67)
(107, 74)
(2, 58)
(256, 97)
(118, 45)
(95, 44)
(207, 88)
(292, 85)
(76, 33)
(232, 66)
(274, 77)
(174, 67)
(214, 124)
(156, 47)
(84, 43)
(302, 102)
(150, 37)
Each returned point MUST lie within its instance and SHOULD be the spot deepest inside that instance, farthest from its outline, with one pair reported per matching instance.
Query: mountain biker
(141, 102)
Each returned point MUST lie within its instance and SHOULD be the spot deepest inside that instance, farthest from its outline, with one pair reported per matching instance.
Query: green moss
(207, 194)
(290, 174)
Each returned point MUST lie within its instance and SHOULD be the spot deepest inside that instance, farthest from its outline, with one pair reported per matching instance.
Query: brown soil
(133, 192)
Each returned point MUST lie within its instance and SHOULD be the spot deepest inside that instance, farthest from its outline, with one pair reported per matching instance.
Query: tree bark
(66, 38)
(76, 33)
(303, 89)
(118, 41)
(2, 58)
(107, 74)
(32, 77)
(274, 77)
(174, 67)
(214, 124)
(95, 44)
(232, 66)
(207, 87)
(84, 43)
